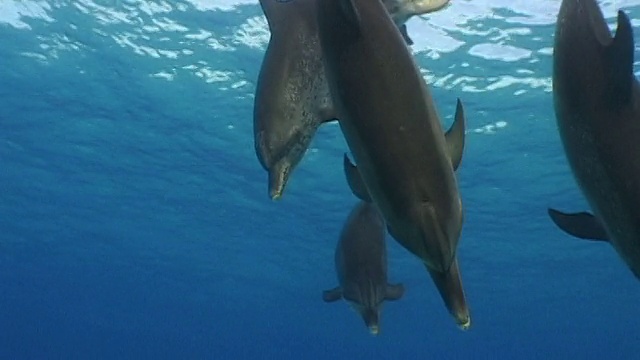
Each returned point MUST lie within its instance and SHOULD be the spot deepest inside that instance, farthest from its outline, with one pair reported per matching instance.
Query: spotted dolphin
(361, 266)
(597, 107)
(405, 163)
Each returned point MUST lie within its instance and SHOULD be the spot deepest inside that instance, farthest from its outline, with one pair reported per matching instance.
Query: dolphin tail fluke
(405, 34)
(394, 292)
(354, 179)
(620, 53)
(582, 225)
(449, 286)
(455, 137)
(332, 295)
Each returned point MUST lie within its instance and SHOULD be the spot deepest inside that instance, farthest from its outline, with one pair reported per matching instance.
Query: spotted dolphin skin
(361, 266)
(597, 106)
(405, 164)
(292, 98)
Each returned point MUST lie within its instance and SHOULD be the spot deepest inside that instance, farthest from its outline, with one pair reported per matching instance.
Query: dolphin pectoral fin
(332, 295)
(620, 53)
(405, 34)
(582, 225)
(351, 14)
(354, 179)
(394, 292)
(455, 137)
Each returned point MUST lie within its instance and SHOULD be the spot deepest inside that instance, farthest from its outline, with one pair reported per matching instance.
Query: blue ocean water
(135, 221)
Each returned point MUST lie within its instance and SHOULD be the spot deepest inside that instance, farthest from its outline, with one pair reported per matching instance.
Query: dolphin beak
(449, 286)
(374, 330)
(277, 182)
(464, 324)
(370, 317)
(278, 177)
(275, 194)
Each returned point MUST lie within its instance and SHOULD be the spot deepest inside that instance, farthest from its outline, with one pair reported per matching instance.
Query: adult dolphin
(361, 265)
(597, 106)
(392, 128)
(292, 98)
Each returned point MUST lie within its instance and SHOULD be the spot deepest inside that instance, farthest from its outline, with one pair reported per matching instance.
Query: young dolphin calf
(292, 98)
(361, 266)
(597, 107)
(390, 123)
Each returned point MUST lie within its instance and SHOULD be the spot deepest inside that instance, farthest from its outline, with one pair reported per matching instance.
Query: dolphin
(597, 107)
(361, 266)
(405, 163)
(292, 97)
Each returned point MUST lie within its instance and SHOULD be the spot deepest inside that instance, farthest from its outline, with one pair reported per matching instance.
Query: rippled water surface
(135, 221)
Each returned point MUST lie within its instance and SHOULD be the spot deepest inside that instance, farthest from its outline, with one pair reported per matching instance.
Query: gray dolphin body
(597, 107)
(390, 123)
(292, 98)
(361, 266)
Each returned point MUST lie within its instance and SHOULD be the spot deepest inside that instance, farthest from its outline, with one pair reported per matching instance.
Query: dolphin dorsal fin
(455, 137)
(620, 54)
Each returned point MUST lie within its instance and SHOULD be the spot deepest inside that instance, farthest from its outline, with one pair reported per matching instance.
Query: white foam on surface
(15, 12)
(499, 52)
(498, 31)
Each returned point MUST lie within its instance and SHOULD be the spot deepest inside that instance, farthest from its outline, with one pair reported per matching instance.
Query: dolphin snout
(275, 193)
(374, 329)
(278, 177)
(463, 320)
(370, 317)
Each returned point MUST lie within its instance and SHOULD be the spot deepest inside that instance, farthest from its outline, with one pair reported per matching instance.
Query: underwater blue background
(135, 220)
